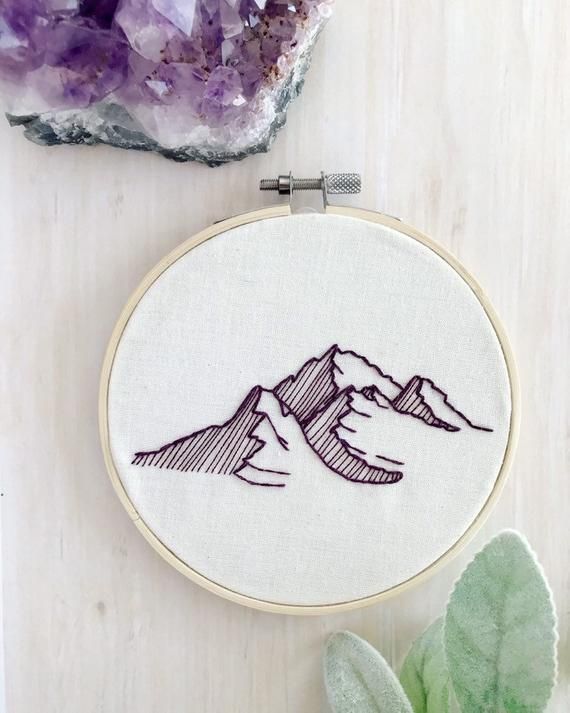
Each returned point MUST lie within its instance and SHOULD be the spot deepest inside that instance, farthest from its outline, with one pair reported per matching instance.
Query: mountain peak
(331, 351)
(422, 399)
(325, 405)
(354, 369)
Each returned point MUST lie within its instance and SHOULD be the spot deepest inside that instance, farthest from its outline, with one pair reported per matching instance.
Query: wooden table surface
(458, 117)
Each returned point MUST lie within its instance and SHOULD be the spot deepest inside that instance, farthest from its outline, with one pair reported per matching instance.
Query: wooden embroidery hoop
(271, 606)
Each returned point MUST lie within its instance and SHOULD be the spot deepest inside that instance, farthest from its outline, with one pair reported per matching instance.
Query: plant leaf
(500, 631)
(358, 679)
(424, 675)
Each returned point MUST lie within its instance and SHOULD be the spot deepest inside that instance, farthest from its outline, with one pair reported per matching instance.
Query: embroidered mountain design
(319, 410)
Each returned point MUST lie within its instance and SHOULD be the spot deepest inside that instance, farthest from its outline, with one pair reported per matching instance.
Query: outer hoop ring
(276, 607)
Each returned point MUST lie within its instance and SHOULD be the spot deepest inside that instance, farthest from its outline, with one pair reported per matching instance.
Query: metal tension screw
(331, 184)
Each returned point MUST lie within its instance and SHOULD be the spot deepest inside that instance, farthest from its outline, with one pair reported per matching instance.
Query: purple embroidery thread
(313, 398)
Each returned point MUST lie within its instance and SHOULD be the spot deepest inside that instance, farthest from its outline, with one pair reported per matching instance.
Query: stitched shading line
(314, 400)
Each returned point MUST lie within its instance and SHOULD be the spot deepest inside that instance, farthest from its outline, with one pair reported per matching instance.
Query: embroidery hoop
(326, 608)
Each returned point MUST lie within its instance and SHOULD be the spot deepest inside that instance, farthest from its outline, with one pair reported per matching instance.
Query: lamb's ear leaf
(500, 631)
(359, 680)
(424, 675)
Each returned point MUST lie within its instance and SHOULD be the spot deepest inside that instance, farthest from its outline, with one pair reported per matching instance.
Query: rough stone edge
(40, 129)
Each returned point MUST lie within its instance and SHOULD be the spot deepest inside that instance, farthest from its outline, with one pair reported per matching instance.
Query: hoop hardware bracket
(329, 184)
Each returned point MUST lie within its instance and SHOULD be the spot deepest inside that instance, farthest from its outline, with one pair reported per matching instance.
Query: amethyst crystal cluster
(206, 80)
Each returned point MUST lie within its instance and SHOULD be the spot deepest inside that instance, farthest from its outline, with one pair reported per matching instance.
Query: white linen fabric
(250, 307)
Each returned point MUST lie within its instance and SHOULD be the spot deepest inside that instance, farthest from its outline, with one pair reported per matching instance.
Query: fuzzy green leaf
(500, 631)
(358, 679)
(424, 674)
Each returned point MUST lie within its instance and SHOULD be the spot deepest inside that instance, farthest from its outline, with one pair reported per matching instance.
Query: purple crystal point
(230, 19)
(81, 65)
(181, 13)
(193, 79)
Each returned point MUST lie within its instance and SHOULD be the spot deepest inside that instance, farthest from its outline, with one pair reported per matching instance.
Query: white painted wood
(457, 115)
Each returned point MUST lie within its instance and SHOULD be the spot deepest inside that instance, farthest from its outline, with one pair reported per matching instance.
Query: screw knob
(343, 183)
(333, 183)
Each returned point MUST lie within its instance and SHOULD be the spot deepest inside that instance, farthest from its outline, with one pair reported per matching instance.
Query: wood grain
(457, 115)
